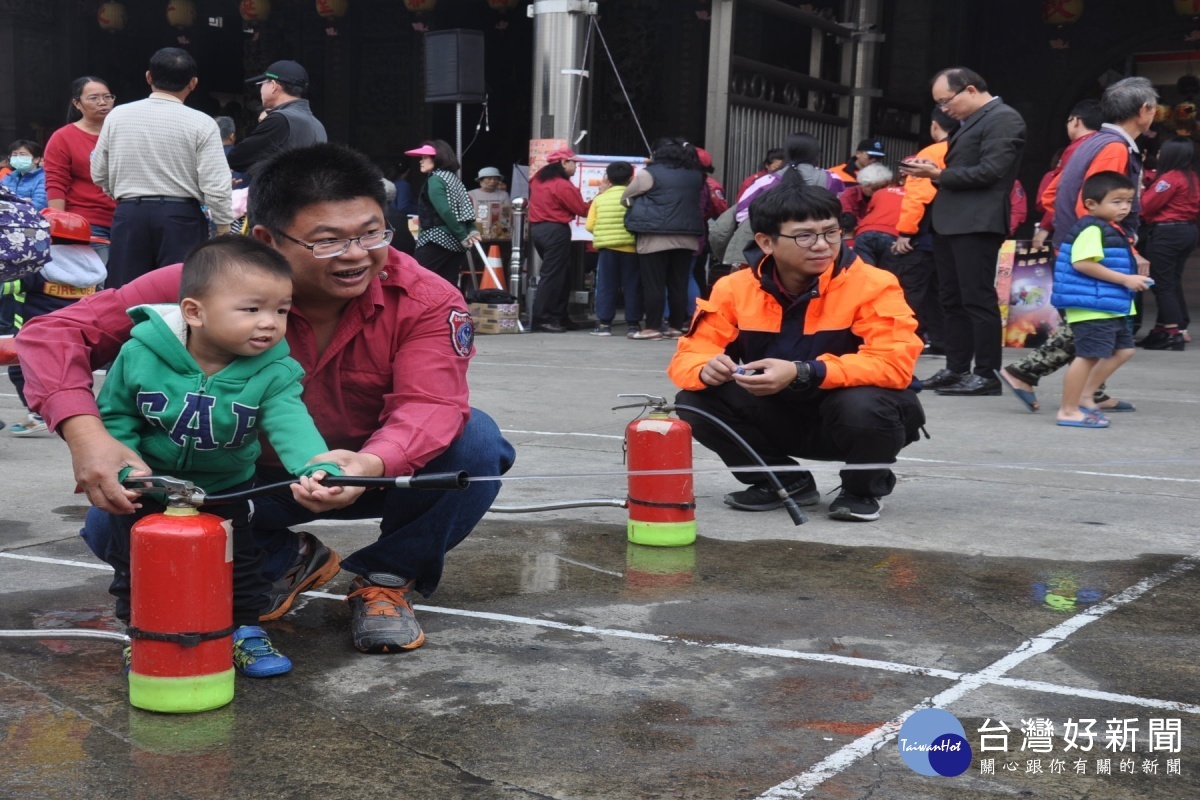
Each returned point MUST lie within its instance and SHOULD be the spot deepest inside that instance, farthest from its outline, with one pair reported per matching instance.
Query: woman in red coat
(553, 203)
(1169, 210)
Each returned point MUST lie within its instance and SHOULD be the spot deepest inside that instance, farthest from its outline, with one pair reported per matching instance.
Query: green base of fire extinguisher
(662, 534)
(181, 695)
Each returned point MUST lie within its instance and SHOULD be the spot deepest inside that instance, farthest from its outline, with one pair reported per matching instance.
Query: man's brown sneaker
(317, 567)
(381, 617)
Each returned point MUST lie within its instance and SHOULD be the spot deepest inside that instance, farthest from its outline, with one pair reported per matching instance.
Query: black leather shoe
(972, 386)
(943, 377)
(550, 327)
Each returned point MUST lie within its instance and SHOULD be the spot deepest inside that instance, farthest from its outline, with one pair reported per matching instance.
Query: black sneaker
(764, 497)
(317, 567)
(381, 617)
(853, 508)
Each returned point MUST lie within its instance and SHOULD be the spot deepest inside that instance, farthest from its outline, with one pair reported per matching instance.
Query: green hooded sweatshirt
(183, 423)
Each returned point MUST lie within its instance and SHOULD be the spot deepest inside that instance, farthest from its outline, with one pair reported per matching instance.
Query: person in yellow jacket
(808, 354)
(617, 270)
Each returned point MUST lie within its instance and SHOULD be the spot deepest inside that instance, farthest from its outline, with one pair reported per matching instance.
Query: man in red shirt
(385, 346)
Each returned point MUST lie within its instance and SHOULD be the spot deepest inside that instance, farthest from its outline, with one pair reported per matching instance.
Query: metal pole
(518, 244)
(458, 136)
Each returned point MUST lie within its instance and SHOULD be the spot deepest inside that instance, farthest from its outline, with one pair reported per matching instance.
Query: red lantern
(181, 13)
(1185, 111)
(509, 5)
(332, 9)
(255, 10)
(420, 6)
(111, 17)
(1061, 12)
(1187, 8)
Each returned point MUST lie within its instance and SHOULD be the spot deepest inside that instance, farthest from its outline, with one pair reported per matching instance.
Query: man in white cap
(289, 121)
(489, 191)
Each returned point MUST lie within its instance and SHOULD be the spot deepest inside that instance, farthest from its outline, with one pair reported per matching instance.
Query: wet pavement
(1020, 572)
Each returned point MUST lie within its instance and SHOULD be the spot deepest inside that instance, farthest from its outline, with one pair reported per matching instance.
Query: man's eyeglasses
(96, 98)
(332, 248)
(809, 240)
(943, 103)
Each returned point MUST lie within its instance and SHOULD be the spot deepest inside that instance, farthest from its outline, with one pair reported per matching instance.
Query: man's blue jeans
(418, 525)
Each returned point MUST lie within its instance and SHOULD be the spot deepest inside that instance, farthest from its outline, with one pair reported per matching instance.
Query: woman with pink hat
(445, 212)
(553, 203)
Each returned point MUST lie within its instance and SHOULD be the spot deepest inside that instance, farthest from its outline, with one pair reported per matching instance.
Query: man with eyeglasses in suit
(385, 346)
(970, 216)
(810, 353)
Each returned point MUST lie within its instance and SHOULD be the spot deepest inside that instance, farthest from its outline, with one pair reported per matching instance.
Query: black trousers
(913, 269)
(858, 425)
(148, 234)
(1168, 248)
(552, 240)
(447, 264)
(665, 276)
(249, 585)
(966, 273)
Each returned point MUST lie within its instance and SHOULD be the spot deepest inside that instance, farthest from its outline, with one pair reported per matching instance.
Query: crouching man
(808, 354)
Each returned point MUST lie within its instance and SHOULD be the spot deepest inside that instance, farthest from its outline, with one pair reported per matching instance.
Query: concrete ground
(1022, 574)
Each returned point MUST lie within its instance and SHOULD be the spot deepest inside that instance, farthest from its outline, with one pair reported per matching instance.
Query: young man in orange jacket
(808, 354)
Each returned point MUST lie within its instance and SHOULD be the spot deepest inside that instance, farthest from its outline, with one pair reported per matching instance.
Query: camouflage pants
(1056, 353)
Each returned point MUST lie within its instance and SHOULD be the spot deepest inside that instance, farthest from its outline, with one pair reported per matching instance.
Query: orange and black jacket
(852, 327)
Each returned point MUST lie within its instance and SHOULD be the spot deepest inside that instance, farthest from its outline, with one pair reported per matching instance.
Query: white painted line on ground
(841, 760)
(563, 433)
(476, 362)
(1094, 694)
(60, 561)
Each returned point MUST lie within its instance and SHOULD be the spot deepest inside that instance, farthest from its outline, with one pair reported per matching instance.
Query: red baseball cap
(561, 154)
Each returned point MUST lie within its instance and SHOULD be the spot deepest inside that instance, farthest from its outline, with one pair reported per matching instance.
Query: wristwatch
(803, 376)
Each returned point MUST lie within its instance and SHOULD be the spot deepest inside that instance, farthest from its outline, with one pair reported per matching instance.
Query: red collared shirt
(392, 381)
(555, 200)
(1171, 198)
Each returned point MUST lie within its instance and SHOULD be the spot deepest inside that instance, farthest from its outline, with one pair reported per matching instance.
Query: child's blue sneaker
(255, 656)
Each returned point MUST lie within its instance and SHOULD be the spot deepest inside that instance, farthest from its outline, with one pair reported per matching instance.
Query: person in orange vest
(869, 151)
(914, 229)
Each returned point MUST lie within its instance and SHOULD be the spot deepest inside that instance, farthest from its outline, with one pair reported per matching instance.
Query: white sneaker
(33, 425)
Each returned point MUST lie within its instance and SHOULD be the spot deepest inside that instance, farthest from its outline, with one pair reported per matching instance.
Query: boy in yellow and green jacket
(618, 266)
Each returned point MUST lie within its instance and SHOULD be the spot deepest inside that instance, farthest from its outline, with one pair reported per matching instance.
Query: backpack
(24, 238)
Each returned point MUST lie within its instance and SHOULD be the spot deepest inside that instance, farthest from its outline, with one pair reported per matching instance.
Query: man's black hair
(946, 122)
(33, 147)
(619, 173)
(774, 154)
(792, 202)
(172, 69)
(293, 89)
(305, 176)
(959, 78)
(1097, 187)
(219, 260)
(1088, 112)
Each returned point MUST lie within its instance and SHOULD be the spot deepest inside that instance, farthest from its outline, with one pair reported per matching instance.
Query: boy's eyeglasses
(809, 240)
(332, 248)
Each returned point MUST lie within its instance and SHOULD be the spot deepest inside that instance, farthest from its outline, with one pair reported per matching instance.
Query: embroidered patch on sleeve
(462, 332)
(1161, 186)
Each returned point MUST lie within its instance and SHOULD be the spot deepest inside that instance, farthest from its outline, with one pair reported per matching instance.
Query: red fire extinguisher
(181, 619)
(662, 508)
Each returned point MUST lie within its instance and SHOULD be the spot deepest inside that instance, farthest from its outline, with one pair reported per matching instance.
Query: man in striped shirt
(161, 161)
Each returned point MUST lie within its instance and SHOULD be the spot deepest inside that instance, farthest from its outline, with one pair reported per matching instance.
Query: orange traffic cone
(493, 269)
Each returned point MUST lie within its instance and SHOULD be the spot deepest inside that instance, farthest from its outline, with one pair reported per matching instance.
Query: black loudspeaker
(454, 66)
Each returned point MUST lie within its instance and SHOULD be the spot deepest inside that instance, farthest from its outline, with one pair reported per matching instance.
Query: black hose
(793, 509)
(433, 480)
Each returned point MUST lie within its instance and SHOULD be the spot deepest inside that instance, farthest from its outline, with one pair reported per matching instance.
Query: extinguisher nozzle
(794, 511)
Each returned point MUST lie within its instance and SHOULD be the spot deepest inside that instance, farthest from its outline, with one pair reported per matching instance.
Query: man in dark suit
(970, 220)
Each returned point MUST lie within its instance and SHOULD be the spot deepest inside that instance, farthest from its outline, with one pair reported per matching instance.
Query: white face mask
(21, 163)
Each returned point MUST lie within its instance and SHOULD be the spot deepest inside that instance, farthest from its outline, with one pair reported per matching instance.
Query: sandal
(1087, 422)
(1024, 395)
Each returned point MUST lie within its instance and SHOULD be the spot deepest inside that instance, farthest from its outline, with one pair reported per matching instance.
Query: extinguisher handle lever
(648, 401)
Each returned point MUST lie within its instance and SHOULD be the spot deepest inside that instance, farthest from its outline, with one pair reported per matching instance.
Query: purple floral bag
(24, 238)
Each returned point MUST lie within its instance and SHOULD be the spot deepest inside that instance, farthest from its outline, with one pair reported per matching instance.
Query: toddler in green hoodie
(191, 391)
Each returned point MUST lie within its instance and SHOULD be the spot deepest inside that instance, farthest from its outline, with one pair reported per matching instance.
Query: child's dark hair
(792, 203)
(619, 173)
(1097, 187)
(215, 263)
(33, 147)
